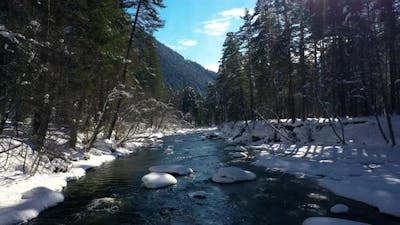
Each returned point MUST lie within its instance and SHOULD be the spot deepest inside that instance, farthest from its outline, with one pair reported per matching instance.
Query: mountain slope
(179, 72)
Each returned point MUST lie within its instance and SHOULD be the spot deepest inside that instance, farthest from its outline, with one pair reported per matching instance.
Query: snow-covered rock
(330, 221)
(42, 192)
(232, 174)
(238, 154)
(158, 180)
(172, 169)
(235, 148)
(198, 194)
(33, 202)
(339, 208)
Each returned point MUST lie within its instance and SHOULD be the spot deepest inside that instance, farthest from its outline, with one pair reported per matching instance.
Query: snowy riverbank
(366, 169)
(23, 197)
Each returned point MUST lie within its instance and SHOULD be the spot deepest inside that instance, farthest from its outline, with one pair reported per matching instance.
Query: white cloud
(236, 13)
(215, 27)
(187, 43)
(219, 26)
(183, 44)
(175, 47)
(213, 67)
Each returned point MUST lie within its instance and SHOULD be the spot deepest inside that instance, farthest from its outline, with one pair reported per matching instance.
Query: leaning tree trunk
(114, 117)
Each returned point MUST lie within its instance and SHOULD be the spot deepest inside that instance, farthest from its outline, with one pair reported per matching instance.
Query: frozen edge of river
(15, 208)
(366, 170)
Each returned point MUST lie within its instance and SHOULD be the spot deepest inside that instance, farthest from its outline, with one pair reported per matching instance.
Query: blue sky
(196, 28)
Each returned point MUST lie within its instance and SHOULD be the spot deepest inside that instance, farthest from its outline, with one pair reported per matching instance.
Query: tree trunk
(302, 70)
(43, 125)
(3, 117)
(287, 38)
(251, 87)
(114, 117)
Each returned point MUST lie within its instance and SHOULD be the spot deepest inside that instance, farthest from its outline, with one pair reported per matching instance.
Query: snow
(339, 208)
(345, 171)
(23, 196)
(172, 169)
(367, 169)
(330, 221)
(32, 202)
(155, 180)
(232, 174)
(9, 35)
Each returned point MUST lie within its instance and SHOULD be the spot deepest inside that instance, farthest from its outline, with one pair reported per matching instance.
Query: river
(113, 194)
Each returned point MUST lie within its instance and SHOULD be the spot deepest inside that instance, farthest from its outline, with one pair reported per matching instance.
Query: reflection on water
(112, 194)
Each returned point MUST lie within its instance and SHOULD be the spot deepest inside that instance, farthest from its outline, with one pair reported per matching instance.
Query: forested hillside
(298, 59)
(179, 73)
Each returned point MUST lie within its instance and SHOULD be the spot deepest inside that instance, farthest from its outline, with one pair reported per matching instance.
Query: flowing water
(112, 194)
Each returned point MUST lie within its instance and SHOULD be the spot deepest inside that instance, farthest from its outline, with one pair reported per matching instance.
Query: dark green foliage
(192, 105)
(311, 58)
(60, 63)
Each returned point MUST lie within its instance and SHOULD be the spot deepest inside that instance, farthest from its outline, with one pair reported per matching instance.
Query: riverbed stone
(232, 174)
(330, 221)
(172, 169)
(198, 194)
(339, 208)
(236, 148)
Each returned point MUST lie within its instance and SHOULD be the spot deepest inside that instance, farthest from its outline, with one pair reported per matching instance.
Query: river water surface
(112, 194)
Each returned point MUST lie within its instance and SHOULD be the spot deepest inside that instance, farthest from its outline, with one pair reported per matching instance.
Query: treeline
(85, 66)
(310, 58)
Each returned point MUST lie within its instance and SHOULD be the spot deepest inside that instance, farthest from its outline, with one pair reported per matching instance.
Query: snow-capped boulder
(172, 169)
(158, 180)
(42, 192)
(330, 221)
(339, 208)
(34, 201)
(198, 194)
(232, 174)
(235, 148)
(238, 154)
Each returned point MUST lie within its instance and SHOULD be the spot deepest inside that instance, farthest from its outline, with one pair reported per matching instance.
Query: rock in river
(172, 169)
(330, 221)
(232, 174)
(158, 180)
(198, 194)
(339, 208)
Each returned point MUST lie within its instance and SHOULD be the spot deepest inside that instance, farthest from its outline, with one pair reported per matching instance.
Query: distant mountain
(179, 72)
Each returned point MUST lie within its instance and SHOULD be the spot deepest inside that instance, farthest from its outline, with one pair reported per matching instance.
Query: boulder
(198, 194)
(339, 208)
(172, 169)
(232, 174)
(236, 148)
(158, 180)
(330, 221)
